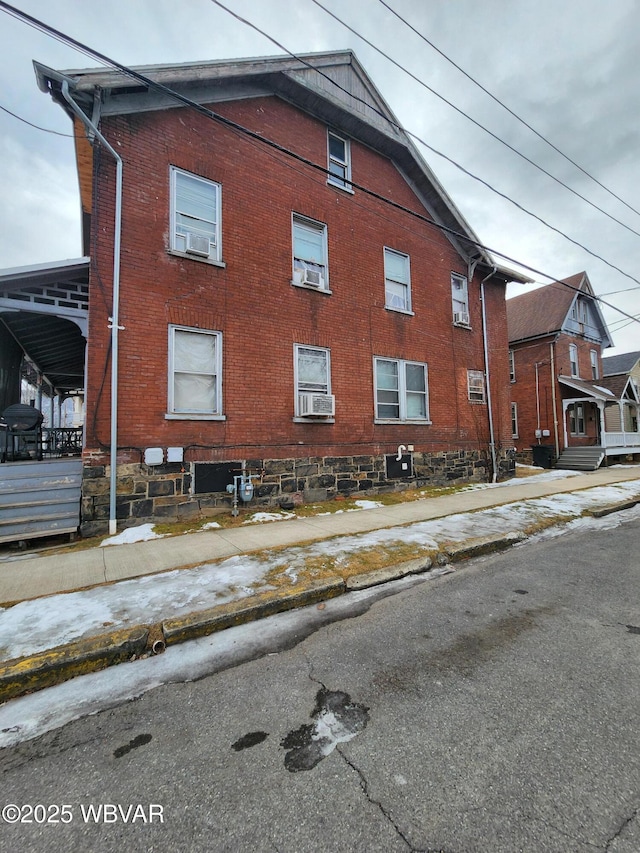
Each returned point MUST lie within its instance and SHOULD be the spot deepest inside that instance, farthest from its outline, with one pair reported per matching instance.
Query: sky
(39, 624)
(565, 69)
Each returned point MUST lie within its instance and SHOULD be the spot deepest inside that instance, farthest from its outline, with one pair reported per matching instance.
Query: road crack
(625, 823)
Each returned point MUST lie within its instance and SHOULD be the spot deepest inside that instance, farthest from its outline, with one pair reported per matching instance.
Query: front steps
(581, 458)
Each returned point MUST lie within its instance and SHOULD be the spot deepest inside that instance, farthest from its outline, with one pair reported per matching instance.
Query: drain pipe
(113, 320)
(485, 344)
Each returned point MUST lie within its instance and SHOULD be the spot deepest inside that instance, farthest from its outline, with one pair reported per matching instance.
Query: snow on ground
(46, 622)
(141, 533)
(33, 626)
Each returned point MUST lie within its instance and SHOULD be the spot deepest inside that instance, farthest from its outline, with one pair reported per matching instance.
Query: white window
(310, 253)
(576, 419)
(339, 161)
(195, 216)
(195, 372)
(460, 299)
(401, 389)
(397, 281)
(512, 366)
(312, 374)
(475, 385)
(573, 359)
(514, 420)
(594, 365)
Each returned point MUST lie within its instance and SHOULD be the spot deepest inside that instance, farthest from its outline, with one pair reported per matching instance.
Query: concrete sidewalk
(25, 578)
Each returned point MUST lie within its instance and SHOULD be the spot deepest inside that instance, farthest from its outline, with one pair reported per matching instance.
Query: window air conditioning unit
(197, 245)
(316, 405)
(312, 278)
(460, 318)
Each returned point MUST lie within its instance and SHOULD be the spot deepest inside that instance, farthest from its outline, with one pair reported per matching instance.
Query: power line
(426, 144)
(37, 127)
(470, 118)
(234, 126)
(507, 108)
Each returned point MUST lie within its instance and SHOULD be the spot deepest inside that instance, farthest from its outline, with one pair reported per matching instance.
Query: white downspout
(113, 320)
(492, 441)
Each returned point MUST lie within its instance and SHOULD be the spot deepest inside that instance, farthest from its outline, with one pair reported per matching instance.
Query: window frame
(577, 422)
(332, 179)
(481, 394)
(512, 365)
(514, 421)
(574, 365)
(299, 220)
(595, 372)
(297, 348)
(193, 414)
(215, 248)
(406, 309)
(402, 390)
(456, 276)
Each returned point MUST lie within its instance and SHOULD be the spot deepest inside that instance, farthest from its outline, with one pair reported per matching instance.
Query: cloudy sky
(568, 71)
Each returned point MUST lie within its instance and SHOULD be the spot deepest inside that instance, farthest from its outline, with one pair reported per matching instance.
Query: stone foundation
(165, 492)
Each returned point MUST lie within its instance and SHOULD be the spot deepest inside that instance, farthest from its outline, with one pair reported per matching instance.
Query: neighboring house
(298, 298)
(622, 376)
(562, 407)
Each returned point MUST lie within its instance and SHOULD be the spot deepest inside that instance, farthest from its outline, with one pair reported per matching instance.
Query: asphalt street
(495, 709)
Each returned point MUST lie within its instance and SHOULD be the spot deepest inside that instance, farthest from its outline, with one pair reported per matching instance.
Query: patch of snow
(260, 517)
(366, 504)
(141, 533)
(210, 525)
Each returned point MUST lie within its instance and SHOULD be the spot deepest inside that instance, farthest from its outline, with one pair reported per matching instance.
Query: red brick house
(562, 407)
(297, 296)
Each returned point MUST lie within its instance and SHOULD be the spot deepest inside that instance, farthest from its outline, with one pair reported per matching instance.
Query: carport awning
(44, 308)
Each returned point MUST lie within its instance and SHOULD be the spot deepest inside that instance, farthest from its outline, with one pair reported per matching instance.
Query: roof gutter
(113, 320)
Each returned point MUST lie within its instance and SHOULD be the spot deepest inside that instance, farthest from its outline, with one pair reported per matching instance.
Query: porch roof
(588, 389)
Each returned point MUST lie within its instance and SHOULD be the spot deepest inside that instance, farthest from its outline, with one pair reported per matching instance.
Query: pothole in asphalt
(335, 719)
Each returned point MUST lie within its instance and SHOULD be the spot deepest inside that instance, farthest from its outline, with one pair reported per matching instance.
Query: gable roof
(333, 87)
(622, 363)
(545, 310)
(591, 389)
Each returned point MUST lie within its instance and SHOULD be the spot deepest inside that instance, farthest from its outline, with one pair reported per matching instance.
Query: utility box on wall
(399, 469)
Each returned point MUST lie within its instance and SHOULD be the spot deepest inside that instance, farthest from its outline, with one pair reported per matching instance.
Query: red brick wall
(259, 312)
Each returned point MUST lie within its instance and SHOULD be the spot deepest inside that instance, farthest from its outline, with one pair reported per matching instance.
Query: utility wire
(230, 124)
(507, 108)
(470, 118)
(426, 144)
(37, 127)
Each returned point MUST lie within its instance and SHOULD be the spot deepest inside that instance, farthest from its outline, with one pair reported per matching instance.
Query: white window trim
(595, 372)
(407, 284)
(456, 276)
(573, 351)
(333, 180)
(320, 227)
(402, 391)
(514, 421)
(171, 414)
(215, 258)
(298, 419)
(512, 366)
(573, 416)
(478, 375)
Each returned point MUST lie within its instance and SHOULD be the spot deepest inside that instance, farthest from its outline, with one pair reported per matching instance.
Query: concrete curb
(64, 662)
(249, 609)
(483, 545)
(608, 510)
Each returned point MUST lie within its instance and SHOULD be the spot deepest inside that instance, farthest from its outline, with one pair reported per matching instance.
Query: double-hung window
(195, 216)
(512, 366)
(397, 281)
(576, 419)
(401, 390)
(339, 161)
(310, 265)
(312, 373)
(195, 372)
(514, 420)
(460, 299)
(475, 386)
(573, 359)
(594, 365)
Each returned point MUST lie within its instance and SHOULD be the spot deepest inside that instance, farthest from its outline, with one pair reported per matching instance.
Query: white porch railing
(622, 439)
